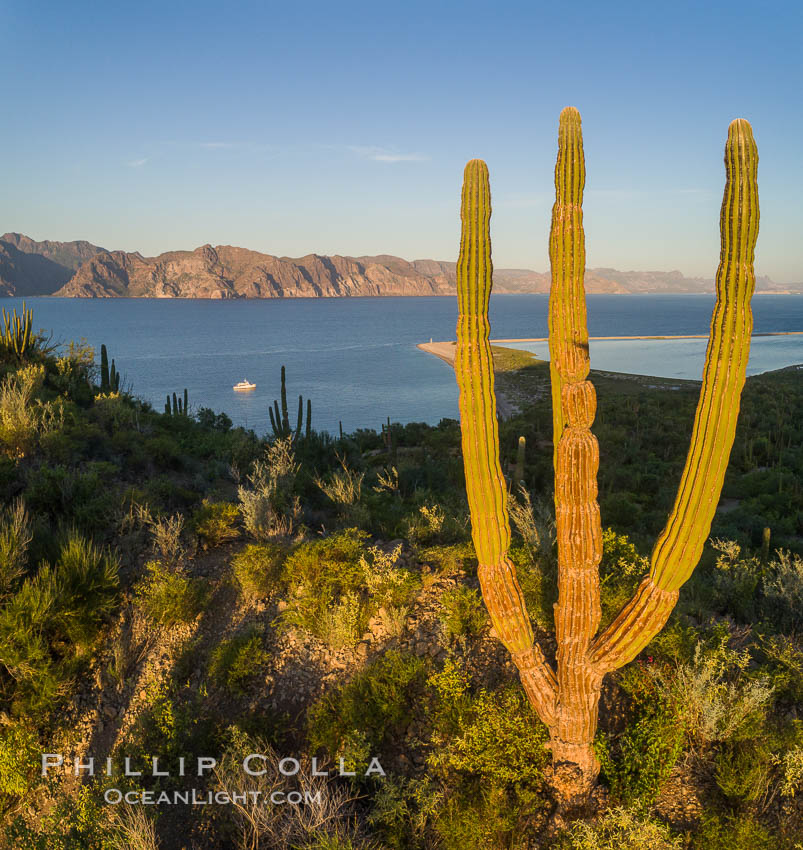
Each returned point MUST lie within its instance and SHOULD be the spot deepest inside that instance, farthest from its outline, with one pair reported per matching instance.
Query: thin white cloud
(386, 155)
(218, 145)
(138, 163)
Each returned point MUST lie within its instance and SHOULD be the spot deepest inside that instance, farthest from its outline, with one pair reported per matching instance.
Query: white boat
(244, 385)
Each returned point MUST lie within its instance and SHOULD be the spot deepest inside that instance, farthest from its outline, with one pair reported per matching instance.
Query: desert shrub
(538, 581)
(341, 624)
(386, 581)
(736, 580)
(167, 595)
(638, 762)
(734, 832)
(342, 486)
(372, 710)
(47, 628)
(448, 558)
(791, 772)
(621, 569)
(492, 735)
(535, 524)
(256, 569)
(23, 418)
(326, 821)
(83, 497)
(463, 613)
(267, 504)
(166, 537)
(620, 829)
(743, 770)
(15, 538)
(482, 817)
(168, 727)
(783, 665)
(214, 522)
(487, 751)
(321, 570)
(783, 591)
(717, 700)
(427, 525)
(81, 820)
(19, 760)
(393, 619)
(338, 583)
(403, 811)
(237, 660)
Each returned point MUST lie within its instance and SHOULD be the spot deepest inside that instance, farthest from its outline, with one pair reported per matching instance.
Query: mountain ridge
(80, 269)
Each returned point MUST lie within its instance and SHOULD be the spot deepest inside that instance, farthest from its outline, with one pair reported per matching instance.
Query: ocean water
(356, 358)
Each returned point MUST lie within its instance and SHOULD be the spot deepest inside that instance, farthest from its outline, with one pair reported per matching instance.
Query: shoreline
(444, 350)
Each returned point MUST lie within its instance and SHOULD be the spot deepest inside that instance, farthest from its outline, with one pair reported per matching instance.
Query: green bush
(620, 829)
(48, 626)
(15, 538)
(463, 613)
(214, 522)
(492, 735)
(638, 762)
(169, 596)
(336, 584)
(735, 832)
(538, 581)
(377, 704)
(448, 558)
(19, 760)
(743, 771)
(234, 662)
(256, 569)
(79, 821)
(621, 569)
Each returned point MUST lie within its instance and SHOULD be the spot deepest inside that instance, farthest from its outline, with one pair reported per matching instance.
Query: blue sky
(344, 127)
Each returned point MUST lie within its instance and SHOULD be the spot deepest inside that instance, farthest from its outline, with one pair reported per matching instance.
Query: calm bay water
(356, 358)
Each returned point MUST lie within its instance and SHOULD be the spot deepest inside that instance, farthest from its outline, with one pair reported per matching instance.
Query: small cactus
(17, 334)
(280, 418)
(109, 376)
(179, 406)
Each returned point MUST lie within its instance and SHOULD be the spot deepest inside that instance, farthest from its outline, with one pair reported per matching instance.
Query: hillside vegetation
(172, 586)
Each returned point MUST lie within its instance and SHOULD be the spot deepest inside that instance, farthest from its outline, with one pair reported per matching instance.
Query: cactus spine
(485, 486)
(567, 701)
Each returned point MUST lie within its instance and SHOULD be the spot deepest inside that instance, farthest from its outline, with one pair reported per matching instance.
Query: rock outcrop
(28, 267)
(83, 270)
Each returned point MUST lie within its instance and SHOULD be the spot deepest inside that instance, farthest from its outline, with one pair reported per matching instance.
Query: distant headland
(80, 269)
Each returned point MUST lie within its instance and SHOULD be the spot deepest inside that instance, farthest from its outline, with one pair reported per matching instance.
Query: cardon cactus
(280, 419)
(17, 333)
(567, 698)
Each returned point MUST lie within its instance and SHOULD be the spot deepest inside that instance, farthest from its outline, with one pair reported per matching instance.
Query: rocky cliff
(28, 267)
(83, 270)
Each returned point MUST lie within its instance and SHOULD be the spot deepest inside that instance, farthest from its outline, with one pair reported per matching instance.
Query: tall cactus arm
(300, 418)
(485, 485)
(680, 544)
(568, 336)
